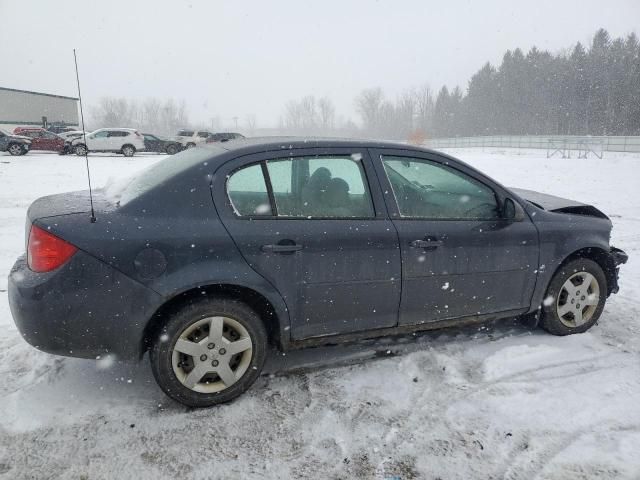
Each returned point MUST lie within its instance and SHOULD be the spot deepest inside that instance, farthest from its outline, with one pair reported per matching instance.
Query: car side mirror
(512, 211)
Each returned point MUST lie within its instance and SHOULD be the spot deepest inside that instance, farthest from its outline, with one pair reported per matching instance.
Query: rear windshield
(127, 189)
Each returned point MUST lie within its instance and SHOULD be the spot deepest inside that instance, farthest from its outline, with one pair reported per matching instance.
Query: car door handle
(281, 248)
(427, 243)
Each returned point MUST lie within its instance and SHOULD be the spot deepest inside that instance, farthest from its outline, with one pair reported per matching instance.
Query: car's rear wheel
(172, 149)
(128, 150)
(80, 149)
(575, 298)
(16, 149)
(209, 352)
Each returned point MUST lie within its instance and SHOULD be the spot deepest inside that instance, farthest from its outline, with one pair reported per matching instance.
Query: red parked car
(41, 139)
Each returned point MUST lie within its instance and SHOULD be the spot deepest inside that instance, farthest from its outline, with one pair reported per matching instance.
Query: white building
(25, 108)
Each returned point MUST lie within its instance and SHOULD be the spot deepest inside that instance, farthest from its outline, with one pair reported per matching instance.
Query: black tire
(162, 349)
(172, 149)
(128, 150)
(80, 149)
(15, 149)
(191, 145)
(551, 320)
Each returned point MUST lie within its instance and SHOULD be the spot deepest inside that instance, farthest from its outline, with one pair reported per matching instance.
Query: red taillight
(47, 252)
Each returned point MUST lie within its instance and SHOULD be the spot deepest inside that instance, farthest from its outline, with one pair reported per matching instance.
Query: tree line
(162, 117)
(592, 90)
(581, 91)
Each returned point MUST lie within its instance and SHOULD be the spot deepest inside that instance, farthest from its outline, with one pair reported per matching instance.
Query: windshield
(124, 190)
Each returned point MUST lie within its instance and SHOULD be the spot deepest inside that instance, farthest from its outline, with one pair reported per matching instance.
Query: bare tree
(369, 106)
(327, 114)
(251, 124)
(425, 105)
(152, 115)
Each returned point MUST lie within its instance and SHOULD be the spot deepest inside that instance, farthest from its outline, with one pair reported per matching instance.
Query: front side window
(248, 193)
(203, 134)
(102, 134)
(425, 189)
(327, 186)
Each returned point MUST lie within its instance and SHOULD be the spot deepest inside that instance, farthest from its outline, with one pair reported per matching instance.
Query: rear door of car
(460, 257)
(314, 224)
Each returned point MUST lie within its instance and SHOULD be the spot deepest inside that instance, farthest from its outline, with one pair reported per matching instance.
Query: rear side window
(320, 187)
(248, 193)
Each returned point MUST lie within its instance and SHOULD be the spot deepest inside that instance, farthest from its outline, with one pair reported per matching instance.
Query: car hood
(555, 204)
(21, 137)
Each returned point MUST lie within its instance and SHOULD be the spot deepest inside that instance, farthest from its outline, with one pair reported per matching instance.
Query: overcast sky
(237, 58)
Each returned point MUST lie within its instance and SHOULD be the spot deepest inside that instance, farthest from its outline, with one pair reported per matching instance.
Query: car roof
(262, 144)
(115, 129)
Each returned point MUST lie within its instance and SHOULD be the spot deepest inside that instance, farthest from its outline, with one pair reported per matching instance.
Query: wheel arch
(256, 300)
(596, 254)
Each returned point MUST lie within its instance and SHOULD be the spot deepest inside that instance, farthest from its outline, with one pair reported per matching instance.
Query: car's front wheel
(209, 352)
(191, 145)
(575, 298)
(16, 149)
(80, 149)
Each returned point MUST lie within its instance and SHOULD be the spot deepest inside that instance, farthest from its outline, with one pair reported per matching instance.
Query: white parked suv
(191, 138)
(126, 141)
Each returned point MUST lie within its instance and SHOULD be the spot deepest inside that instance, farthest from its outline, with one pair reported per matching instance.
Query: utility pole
(235, 119)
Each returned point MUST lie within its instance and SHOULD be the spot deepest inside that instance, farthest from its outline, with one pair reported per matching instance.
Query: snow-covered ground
(496, 401)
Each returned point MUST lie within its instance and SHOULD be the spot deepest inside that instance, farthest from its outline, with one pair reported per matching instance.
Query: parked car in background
(223, 137)
(126, 141)
(41, 139)
(14, 144)
(71, 134)
(191, 138)
(298, 242)
(153, 143)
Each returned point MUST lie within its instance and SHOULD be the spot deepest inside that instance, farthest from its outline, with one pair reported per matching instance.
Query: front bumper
(83, 309)
(617, 257)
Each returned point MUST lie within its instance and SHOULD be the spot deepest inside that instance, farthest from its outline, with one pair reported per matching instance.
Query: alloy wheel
(15, 149)
(212, 354)
(578, 299)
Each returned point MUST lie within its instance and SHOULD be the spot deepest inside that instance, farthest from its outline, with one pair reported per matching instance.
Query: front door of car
(98, 141)
(460, 257)
(151, 143)
(36, 139)
(50, 141)
(313, 223)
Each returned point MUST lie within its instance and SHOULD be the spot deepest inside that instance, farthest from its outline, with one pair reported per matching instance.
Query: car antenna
(84, 137)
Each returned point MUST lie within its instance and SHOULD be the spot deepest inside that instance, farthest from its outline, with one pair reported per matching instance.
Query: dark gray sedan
(206, 258)
(14, 144)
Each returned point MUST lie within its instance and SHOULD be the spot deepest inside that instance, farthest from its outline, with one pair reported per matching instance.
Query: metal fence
(570, 142)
